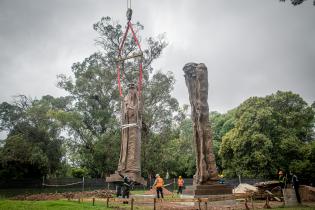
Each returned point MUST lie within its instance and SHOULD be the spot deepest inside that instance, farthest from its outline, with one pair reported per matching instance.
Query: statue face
(131, 86)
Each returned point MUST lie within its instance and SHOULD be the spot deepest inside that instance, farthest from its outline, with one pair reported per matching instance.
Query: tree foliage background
(79, 134)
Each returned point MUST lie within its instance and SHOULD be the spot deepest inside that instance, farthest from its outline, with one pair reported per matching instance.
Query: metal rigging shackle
(129, 10)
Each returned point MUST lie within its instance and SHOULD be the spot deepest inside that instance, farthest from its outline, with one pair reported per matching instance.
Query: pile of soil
(153, 192)
(65, 195)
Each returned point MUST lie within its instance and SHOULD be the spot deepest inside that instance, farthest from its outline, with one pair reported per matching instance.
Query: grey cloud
(250, 47)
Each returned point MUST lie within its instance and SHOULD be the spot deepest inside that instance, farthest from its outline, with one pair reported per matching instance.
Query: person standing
(296, 186)
(221, 179)
(158, 184)
(180, 184)
(282, 179)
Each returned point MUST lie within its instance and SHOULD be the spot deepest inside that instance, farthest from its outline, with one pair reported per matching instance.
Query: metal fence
(10, 188)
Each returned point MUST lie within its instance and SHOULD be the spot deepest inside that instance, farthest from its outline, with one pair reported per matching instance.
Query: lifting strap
(120, 59)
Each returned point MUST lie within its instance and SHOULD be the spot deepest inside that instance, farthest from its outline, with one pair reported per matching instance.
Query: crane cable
(120, 59)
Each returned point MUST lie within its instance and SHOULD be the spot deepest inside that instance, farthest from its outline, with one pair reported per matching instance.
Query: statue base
(135, 177)
(204, 190)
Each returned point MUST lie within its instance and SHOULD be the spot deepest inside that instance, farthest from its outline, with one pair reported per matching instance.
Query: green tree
(33, 147)
(220, 125)
(94, 120)
(270, 133)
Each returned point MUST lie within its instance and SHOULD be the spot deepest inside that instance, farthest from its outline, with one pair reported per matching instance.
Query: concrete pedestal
(203, 191)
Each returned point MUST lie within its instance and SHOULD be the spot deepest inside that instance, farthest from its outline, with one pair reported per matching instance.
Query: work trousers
(296, 189)
(180, 190)
(159, 190)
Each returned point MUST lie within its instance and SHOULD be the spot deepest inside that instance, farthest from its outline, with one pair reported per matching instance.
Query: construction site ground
(100, 199)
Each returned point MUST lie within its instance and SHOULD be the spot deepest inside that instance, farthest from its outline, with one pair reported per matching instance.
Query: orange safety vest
(180, 182)
(159, 182)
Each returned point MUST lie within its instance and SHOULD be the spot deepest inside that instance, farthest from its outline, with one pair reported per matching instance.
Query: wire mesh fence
(10, 188)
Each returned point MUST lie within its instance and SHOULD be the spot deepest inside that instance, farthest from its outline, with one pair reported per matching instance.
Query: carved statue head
(131, 86)
(190, 69)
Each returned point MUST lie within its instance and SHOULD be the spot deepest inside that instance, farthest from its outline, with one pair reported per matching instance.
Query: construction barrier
(198, 202)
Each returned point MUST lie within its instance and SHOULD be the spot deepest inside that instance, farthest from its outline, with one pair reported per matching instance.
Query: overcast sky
(251, 47)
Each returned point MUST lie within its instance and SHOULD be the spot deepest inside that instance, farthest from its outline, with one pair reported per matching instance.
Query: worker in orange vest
(158, 184)
(180, 184)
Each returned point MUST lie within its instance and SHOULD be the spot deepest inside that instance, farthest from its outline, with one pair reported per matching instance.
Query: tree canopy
(270, 133)
(33, 147)
(94, 120)
(81, 131)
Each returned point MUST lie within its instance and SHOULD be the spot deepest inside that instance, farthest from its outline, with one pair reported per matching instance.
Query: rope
(134, 35)
(168, 184)
(129, 125)
(61, 185)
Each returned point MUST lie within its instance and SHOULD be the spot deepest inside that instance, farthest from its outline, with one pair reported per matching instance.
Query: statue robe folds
(196, 77)
(130, 152)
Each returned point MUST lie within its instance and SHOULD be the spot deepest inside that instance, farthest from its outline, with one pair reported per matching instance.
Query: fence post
(199, 204)
(43, 182)
(107, 202)
(246, 206)
(83, 184)
(154, 203)
(132, 199)
(174, 185)
(206, 204)
(93, 201)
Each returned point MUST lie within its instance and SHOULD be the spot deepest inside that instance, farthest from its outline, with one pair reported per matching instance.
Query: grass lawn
(61, 204)
(49, 205)
(74, 205)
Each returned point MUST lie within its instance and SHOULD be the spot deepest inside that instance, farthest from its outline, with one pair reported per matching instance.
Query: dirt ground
(153, 192)
(66, 195)
(160, 205)
(214, 206)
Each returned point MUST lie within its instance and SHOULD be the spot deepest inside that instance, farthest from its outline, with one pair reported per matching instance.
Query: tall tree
(94, 120)
(33, 147)
(269, 134)
(220, 125)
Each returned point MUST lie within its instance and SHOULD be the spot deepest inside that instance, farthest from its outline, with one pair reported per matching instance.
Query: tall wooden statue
(130, 151)
(196, 77)
(206, 176)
